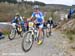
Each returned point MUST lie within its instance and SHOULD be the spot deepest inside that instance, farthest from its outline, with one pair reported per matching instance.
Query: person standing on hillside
(49, 24)
(72, 11)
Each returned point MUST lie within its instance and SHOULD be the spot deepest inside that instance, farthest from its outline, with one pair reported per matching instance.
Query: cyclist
(18, 20)
(50, 21)
(49, 24)
(39, 20)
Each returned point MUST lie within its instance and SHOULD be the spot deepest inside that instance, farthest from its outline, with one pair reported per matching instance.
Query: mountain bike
(30, 36)
(14, 31)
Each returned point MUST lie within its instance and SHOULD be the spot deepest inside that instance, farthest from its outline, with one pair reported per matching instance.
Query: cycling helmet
(50, 18)
(36, 7)
(17, 14)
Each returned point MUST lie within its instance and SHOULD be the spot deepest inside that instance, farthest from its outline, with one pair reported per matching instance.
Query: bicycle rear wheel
(27, 41)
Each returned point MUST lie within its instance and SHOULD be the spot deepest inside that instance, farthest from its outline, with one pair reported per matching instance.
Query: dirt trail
(55, 45)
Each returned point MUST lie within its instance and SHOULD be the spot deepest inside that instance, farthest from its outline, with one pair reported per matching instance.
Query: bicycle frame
(33, 29)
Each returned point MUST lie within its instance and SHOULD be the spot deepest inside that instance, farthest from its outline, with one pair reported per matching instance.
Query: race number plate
(31, 24)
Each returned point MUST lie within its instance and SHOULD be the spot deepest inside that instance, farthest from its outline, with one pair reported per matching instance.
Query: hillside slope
(8, 10)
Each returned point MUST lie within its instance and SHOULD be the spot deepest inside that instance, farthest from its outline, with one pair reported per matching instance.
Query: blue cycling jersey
(39, 16)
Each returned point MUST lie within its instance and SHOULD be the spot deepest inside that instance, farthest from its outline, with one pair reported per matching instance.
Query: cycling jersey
(50, 22)
(39, 17)
(18, 20)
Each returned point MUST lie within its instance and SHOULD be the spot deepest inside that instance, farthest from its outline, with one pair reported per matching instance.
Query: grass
(8, 10)
(70, 35)
(6, 32)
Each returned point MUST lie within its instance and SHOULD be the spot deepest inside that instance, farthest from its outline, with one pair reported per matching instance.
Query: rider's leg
(40, 33)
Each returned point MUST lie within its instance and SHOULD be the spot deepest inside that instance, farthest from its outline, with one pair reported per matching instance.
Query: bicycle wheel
(48, 33)
(43, 35)
(12, 34)
(27, 41)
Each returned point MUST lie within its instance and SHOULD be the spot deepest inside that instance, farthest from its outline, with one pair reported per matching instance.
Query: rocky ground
(55, 45)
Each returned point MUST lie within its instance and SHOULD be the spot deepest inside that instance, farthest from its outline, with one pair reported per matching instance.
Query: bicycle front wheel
(48, 33)
(12, 34)
(27, 41)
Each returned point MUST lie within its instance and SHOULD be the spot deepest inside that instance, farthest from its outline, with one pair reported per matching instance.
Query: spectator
(72, 11)
(50, 21)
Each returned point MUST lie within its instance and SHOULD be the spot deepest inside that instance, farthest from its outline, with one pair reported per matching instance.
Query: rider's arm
(14, 19)
(30, 18)
(51, 21)
(33, 15)
(42, 16)
(43, 21)
(21, 19)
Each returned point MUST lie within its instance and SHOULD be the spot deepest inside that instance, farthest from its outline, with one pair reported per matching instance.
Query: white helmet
(50, 18)
(36, 7)
(17, 14)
